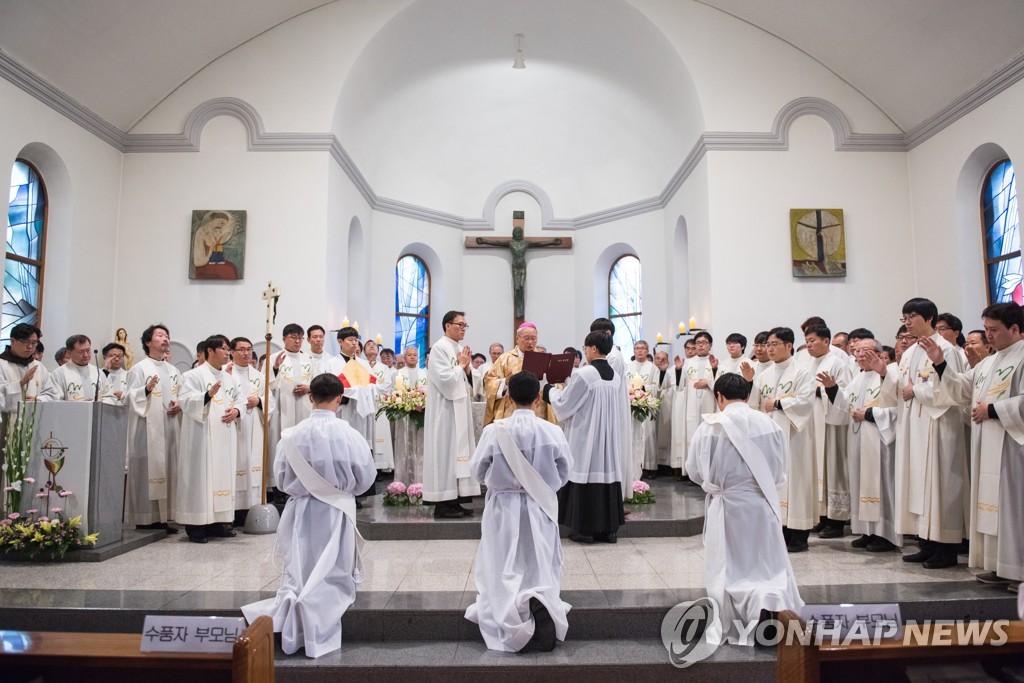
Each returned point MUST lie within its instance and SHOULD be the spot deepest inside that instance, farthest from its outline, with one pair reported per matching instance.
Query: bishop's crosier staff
(263, 518)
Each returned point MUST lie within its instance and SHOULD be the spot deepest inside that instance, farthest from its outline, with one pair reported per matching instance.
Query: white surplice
(931, 458)
(738, 457)
(695, 404)
(997, 459)
(208, 449)
(361, 404)
(40, 387)
(319, 363)
(448, 440)
(295, 369)
(79, 383)
(871, 453)
(591, 410)
(643, 447)
(249, 465)
(663, 422)
(520, 553)
(830, 452)
(383, 448)
(793, 388)
(117, 380)
(317, 538)
(152, 442)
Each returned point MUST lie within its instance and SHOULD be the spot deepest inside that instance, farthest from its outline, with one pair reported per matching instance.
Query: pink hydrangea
(5, 522)
(415, 490)
(14, 515)
(396, 488)
(640, 487)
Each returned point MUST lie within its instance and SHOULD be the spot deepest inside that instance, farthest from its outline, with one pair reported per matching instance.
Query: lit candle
(682, 328)
(657, 338)
(344, 323)
(693, 323)
(355, 326)
(379, 339)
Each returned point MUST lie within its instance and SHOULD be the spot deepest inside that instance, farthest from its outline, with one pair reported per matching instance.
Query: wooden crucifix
(518, 246)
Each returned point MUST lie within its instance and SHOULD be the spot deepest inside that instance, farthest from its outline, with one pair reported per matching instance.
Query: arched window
(625, 302)
(412, 306)
(1001, 225)
(23, 267)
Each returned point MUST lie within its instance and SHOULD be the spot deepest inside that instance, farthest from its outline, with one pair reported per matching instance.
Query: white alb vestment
(408, 436)
(830, 452)
(295, 369)
(383, 448)
(448, 440)
(361, 404)
(738, 458)
(323, 465)
(997, 459)
(591, 410)
(618, 365)
(117, 380)
(208, 449)
(642, 438)
(663, 422)
(695, 403)
(931, 458)
(520, 553)
(40, 387)
(320, 362)
(792, 387)
(730, 364)
(871, 454)
(152, 441)
(249, 465)
(80, 383)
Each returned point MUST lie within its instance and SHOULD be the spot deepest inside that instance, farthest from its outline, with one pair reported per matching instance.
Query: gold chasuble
(508, 363)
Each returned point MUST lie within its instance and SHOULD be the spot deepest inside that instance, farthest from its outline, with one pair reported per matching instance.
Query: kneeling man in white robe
(738, 457)
(322, 463)
(523, 460)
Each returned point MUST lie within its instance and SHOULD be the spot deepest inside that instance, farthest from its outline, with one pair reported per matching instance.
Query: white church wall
(750, 195)
(285, 195)
(82, 177)
(688, 247)
(347, 273)
(946, 174)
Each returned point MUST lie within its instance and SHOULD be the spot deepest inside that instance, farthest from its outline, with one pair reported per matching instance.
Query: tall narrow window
(412, 306)
(23, 267)
(625, 302)
(1001, 223)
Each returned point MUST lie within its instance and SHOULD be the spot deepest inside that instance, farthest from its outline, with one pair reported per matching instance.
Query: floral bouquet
(398, 495)
(642, 404)
(642, 494)
(403, 403)
(36, 535)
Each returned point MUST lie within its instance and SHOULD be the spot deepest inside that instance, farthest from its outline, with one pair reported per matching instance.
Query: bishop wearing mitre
(499, 405)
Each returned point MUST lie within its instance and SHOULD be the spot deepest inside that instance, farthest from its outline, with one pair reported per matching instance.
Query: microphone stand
(99, 374)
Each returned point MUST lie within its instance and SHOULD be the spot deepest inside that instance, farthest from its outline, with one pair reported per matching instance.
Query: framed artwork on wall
(217, 247)
(818, 242)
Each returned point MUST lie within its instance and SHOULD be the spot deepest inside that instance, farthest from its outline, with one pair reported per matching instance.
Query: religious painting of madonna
(818, 242)
(218, 245)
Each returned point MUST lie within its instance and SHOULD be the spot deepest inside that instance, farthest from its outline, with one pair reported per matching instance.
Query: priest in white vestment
(697, 386)
(738, 457)
(290, 374)
(154, 425)
(760, 360)
(830, 452)
(323, 464)
(641, 374)
(448, 440)
(735, 345)
(665, 377)
(315, 336)
(479, 372)
(21, 376)
(785, 391)
(591, 408)
(870, 415)
(117, 375)
(384, 382)
(79, 379)
(211, 405)
(992, 392)
(524, 461)
(408, 434)
(249, 467)
(931, 458)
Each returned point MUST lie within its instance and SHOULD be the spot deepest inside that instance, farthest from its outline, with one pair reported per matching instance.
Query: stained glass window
(23, 268)
(625, 302)
(1002, 235)
(412, 306)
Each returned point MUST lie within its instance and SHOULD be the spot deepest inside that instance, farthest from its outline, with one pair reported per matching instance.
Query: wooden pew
(888, 660)
(114, 657)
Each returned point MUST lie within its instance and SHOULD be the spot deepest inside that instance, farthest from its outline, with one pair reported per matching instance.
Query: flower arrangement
(403, 402)
(642, 494)
(41, 535)
(642, 404)
(398, 495)
(17, 449)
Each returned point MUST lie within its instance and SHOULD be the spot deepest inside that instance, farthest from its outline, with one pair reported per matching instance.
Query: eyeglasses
(943, 329)
(462, 325)
(907, 318)
(906, 337)
(775, 345)
(31, 343)
(293, 336)
(243, 350)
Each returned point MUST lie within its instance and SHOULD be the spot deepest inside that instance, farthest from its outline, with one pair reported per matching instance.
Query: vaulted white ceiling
(121, 58)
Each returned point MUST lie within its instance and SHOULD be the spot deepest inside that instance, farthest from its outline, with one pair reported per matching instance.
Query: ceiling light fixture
(519, 62)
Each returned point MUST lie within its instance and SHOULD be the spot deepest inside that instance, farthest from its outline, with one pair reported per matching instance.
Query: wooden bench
(888, 660)
(113, 657)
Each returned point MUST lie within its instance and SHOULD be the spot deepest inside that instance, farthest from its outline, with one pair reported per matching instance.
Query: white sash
(532, 482)
(320, 489)
(753, 456)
